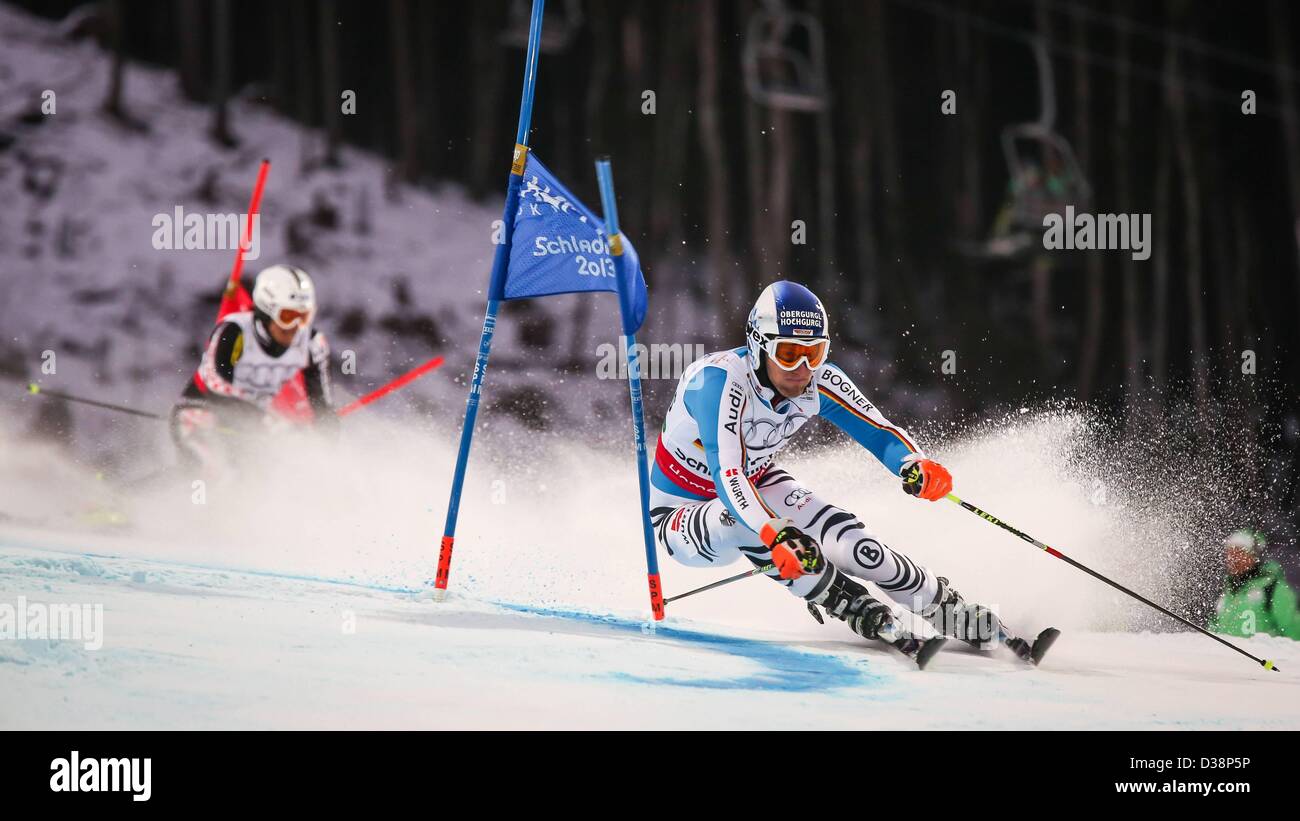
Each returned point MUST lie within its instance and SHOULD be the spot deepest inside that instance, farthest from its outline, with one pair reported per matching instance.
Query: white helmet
(285, 295)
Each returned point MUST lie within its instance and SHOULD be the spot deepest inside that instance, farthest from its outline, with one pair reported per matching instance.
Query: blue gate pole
(605, 177)
(496, 287)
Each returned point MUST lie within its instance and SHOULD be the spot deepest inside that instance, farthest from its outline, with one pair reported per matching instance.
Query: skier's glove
(793, 552)
(925, 478)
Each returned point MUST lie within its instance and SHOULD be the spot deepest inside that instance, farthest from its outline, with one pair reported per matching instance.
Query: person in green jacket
(1256, 597)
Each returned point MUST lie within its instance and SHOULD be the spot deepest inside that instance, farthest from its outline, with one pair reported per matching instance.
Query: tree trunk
(829, 270)
(755, 158)
(780, 193)
(1161, 218)
(671, 128)
(1040, 271)
(1222, 316)
(882, 85)
(1160, 258)
(116, 19)
(1090, 347)
(1239, 296)
(861, 158)
(973, 67)
(281, 21)
(1193, 265)
(221, 54)
(602, 63)
(636, 78)
(489, 156)
(1244, 243)
(331, 93)
(189, 28)
(1280, 37)
(407, 168)
(1128, 267)
(304, 95)
(440, 155)
(717, 210)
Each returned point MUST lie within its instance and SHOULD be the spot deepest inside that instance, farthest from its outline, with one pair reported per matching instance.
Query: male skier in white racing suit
(717, 495)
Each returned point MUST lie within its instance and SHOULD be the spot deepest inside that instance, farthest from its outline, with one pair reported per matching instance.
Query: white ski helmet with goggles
(285, 295)
(789, 325)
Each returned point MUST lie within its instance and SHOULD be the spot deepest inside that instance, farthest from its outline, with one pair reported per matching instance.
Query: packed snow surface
(303, 603)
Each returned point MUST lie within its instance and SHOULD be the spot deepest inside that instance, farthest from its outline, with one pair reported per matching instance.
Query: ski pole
(35, 389)
(409, 376)
(727, 580)
(399, 382)
(988, 517)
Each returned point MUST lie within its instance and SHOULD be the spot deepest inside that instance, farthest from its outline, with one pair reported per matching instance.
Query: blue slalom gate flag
(560, 247)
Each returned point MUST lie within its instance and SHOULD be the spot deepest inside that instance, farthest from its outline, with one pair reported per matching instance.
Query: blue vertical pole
(605, 177)
(496, 287)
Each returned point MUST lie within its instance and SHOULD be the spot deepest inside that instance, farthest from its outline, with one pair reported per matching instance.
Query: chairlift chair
(1028, 211)
(1028, 205)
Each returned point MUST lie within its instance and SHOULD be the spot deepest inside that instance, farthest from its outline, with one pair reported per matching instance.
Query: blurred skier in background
(1256, 596)
(263, 368)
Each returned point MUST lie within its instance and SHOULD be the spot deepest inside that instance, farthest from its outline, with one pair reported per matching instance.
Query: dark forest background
(919, 229)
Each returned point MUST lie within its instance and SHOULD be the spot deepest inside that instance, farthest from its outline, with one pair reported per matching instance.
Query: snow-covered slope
(204, 648)
(401, 271)
(307, 608)
(294, 597)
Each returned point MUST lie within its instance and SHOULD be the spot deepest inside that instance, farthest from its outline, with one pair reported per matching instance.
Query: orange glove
(793, 552)
(925, 478)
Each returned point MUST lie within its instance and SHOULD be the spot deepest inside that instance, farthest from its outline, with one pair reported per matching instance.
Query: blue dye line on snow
(786, 669)
(211, 568)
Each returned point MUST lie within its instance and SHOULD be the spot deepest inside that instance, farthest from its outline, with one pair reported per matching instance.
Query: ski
(1044, 643)
(1032, 653)
(919, 650)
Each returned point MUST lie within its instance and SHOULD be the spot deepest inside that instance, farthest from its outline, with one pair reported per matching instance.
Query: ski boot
(847, 600)
(952, 616)
(979, 627)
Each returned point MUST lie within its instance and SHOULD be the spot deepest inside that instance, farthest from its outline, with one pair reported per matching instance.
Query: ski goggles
(288, 318)
(788, 353)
